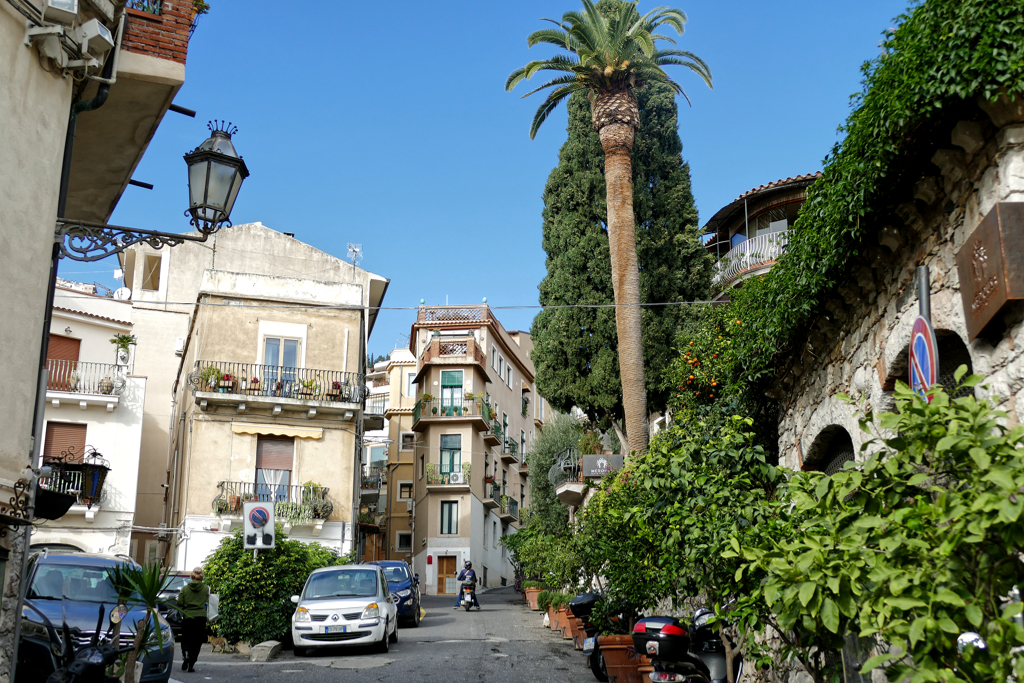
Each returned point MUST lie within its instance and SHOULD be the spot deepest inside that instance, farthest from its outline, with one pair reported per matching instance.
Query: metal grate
(838, 453)
(952, 354)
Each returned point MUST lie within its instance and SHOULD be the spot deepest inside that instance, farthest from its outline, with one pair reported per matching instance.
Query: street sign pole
(924, 351)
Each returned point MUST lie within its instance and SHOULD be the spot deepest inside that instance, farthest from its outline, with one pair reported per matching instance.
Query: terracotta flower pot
(563, 623)
(531, 597)
(578, 634)
(621, 659)
(551, 618)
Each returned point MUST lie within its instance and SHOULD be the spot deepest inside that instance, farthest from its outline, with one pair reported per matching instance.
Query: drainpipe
(40, 406)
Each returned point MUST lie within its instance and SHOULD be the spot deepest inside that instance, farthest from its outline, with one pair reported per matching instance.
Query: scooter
(582, 607)
(468, 594)
(87, 664)
(681, 652)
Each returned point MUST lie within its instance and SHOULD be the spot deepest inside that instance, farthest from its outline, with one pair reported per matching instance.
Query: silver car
(348, 605)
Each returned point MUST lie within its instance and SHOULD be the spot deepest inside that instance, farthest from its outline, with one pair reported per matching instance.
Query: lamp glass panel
(197, 182)
(232, 194)
(221, 177)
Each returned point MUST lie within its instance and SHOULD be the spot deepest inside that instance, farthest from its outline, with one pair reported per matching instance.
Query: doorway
(446, 576)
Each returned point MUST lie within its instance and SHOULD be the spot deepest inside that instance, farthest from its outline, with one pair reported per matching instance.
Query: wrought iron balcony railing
(77, 377)
(568, 468)
(70, 482)
(248, 379)
(294, 503)
(509, 507)
(754, 252)
(453, 351)
(373, 482)
(454, 407)
(448, 473)
(453, 314)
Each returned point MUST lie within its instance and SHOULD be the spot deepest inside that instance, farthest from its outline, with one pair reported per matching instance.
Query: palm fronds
(607, 54)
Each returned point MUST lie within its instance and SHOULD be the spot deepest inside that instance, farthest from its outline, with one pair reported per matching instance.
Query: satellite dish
(122, 294)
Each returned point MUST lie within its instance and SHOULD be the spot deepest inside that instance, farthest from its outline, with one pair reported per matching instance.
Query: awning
(277, 430)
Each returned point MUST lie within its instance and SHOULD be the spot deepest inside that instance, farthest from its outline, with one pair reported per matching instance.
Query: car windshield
(350, 583)
(85, 584)
(396, 574)
(176, 583)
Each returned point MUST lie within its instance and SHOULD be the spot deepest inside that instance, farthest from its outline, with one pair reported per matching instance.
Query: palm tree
(610, 58)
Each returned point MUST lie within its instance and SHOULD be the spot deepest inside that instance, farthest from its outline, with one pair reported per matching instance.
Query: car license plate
(335, 629)
(588, 646)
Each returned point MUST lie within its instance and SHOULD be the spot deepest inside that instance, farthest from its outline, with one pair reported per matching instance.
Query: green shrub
(533, 584)
(255, 593)
(543, 600)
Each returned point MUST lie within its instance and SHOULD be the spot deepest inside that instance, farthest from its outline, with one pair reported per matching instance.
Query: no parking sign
(924, 358)
(258, 526)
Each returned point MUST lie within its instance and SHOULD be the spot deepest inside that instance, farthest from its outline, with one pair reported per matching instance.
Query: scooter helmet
(468, 564)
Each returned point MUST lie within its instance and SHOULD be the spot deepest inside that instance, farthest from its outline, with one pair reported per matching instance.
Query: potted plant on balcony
(73, 381)
(226, 385)
(210, 378)
(334, 393)
(106, 385)
(221, 506)
(122, 344)
(308, 388)
(253, 387)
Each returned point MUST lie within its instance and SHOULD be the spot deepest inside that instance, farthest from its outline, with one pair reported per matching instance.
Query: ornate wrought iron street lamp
(215, 174)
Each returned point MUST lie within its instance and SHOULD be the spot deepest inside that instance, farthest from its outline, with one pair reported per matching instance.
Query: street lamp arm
(86, 241)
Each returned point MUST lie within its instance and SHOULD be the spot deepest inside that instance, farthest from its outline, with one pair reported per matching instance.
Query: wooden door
(62, 363)
(446, 576)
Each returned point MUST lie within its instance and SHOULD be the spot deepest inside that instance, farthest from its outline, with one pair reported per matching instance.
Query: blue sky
(402, 138)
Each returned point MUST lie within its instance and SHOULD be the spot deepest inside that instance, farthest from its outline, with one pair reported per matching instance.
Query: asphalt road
(504, 642)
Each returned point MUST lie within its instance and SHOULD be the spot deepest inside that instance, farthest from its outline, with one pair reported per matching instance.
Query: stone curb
(265, 651)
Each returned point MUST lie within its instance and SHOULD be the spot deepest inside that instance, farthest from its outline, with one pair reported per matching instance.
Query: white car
(348, 605)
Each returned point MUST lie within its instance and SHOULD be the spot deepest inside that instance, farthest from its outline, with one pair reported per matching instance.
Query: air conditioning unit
(179, 346)
(456, 478)
(408, 506)
(164, 534)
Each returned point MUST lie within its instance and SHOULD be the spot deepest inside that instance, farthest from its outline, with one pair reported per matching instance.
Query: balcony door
(281, 361)
(62, 362)
(274, 459)
(451, 392)
(451, 453)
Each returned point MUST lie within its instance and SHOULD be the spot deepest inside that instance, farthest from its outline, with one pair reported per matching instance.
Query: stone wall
(858, 345)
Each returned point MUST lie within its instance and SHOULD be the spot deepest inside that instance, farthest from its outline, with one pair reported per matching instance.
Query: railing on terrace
(377, 405)
(509, 506)
(147, 6)
(455, 407)
(442, 473)
(510, 446)
(297, 501)
(567, 468)
(69, 481)
(248, 379)
(453, 314)
(372, 482)
(453, 349)
(85, 378)
(492, 491)
(753, 252)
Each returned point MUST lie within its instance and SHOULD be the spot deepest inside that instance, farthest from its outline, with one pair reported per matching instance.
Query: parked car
(70, 588)
(406, 586)
(168, 596)
(350, 605)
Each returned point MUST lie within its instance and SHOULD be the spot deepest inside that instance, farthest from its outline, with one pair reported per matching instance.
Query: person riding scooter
(467, 575)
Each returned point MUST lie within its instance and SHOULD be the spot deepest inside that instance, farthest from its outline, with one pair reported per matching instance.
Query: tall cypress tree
(575, 351)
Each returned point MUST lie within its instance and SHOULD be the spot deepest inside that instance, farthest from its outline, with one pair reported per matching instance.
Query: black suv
(70, 588)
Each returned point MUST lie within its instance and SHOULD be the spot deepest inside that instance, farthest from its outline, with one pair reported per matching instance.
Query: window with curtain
(274, 458)
(449, 517)
(451, 391)
(451, 453)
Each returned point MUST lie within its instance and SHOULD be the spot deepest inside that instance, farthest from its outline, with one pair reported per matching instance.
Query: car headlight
(406, 593)
(302, 614)
(372, 611)
(166, 634)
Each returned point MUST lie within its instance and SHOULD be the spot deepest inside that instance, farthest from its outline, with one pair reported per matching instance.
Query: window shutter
(451, 378)
(274, 452)
(64, 437)
(451, 442)
(63, 348)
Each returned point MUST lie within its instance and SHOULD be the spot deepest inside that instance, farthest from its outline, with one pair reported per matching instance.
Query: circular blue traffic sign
(924, 358)
(258, 517)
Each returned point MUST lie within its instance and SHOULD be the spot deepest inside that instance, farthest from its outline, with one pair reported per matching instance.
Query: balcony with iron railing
(509, 449)
(509, 509)
(448, 475)
(276, 387)
(566, 476)
(296, 504)
(524, 463)
(757, 252)
(492, 494)
(85, 383)
(453, 315)
(454, 409)
(444, 350)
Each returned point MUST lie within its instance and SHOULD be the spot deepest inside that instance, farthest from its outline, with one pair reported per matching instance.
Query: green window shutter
(451, 378)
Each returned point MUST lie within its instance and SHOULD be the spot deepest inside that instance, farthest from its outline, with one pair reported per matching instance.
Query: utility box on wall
(991, 265)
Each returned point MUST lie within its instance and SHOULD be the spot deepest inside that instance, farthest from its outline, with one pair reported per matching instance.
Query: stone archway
(831, 449)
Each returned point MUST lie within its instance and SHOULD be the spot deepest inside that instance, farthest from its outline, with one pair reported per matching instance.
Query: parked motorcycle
(87, 664)
(693, 652)
(582, 607)
(468, 595)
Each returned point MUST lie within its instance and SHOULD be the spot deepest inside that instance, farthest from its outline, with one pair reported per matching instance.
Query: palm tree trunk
(615, 118)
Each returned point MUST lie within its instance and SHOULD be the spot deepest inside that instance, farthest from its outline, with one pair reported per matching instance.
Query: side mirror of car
(416, 578)
(295, 599)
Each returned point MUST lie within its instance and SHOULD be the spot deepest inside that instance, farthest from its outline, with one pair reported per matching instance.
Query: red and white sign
(924, 358)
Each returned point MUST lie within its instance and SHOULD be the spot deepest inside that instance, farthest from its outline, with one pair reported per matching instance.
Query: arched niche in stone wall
(953, 353)
(831, 449)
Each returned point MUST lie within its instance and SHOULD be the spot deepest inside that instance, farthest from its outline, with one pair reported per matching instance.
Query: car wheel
(300, 651)
(384, 645)
(416, 616)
